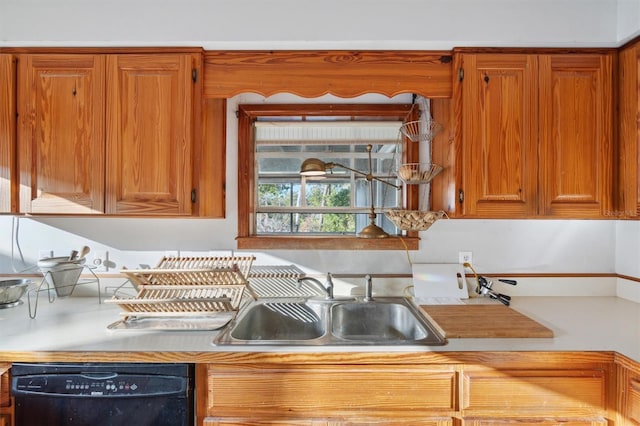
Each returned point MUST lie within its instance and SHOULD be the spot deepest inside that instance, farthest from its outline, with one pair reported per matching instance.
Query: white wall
(327, 24)
(628, 20)
(628, 248)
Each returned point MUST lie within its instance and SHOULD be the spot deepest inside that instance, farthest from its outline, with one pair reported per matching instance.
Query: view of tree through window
(337, 203)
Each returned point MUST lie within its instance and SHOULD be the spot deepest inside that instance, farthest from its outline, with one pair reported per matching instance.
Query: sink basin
(390, 322)
(271, 321)
(384, 321)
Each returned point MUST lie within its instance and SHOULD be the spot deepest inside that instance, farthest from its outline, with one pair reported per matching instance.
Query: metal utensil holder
(53, 292)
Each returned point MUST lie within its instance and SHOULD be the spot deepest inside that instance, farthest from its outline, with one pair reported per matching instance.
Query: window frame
(249, 113)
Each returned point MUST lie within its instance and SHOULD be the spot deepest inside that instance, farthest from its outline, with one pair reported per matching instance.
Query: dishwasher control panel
(99, 385)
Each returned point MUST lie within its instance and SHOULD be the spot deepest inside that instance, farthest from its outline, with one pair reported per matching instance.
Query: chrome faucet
(326, 288)
(368, 288)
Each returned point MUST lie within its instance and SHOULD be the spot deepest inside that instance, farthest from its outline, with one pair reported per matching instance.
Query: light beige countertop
(79, 325)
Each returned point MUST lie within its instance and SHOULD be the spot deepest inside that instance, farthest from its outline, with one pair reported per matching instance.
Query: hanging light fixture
(317, 167)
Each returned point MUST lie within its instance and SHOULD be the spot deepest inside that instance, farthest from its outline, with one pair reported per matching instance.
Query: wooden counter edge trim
(498, 358)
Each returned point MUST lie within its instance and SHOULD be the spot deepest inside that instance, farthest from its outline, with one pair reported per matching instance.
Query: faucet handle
(368, 288)
(329, 286)
(329, 279)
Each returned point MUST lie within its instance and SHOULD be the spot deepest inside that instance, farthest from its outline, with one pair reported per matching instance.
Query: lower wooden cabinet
(566, 390)
(578, 393)
(628, 391)
(632, 408)
(333, 422)
(329, 394)
(6, 409)
(535, 422)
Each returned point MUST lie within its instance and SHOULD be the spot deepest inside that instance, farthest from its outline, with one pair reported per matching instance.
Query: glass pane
(328, 194)
(269, 223)
(327, 148)
(278, 194)
(306, 223)
(279, 165)
(333, 223)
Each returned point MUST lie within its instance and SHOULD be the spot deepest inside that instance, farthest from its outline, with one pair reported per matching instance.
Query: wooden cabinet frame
(313, 73)
(628, 176)
(8, 83)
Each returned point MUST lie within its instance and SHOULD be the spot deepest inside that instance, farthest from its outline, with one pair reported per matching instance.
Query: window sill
(328, 243)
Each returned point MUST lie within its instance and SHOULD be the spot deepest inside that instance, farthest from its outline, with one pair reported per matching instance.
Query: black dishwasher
(97, 394)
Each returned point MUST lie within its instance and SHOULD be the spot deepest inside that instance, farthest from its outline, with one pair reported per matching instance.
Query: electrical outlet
(100, 261)
(465, 257)
(45, 254)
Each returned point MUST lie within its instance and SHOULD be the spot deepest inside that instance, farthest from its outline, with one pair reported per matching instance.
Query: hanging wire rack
(420, 130)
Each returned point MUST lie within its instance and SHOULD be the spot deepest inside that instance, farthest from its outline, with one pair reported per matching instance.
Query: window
(338, 202)
(279, 208)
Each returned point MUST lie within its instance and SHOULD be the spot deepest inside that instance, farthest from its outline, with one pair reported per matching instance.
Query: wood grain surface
(483, 321)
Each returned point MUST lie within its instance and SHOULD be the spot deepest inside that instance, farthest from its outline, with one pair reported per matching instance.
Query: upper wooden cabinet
(106, 133)
(499, 135)
(61, 133)
(533, 136)
(576, 132)
(629, 131)
(149, 168)
(7, 131)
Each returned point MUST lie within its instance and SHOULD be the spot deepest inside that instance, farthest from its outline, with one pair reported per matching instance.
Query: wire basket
(61, 273)
(413, 220)
(418, 172)
(420, 131)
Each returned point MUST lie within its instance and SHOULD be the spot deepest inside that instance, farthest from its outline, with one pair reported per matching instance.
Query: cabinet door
(7, 130)
(628, 389)
(534, 393)
(535, 422)
(6, 410)
(61, 133)
(576, 102)
(629, 131)
(361, 394)
(149, 119)
(314, 422)
(499, 135)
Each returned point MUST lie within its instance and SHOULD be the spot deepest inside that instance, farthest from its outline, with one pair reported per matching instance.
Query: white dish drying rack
(184, 287)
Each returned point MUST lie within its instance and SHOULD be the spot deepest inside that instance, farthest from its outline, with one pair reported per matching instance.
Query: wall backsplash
(586, 246)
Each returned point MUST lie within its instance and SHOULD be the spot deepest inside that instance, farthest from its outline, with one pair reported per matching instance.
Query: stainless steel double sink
(299, 321)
